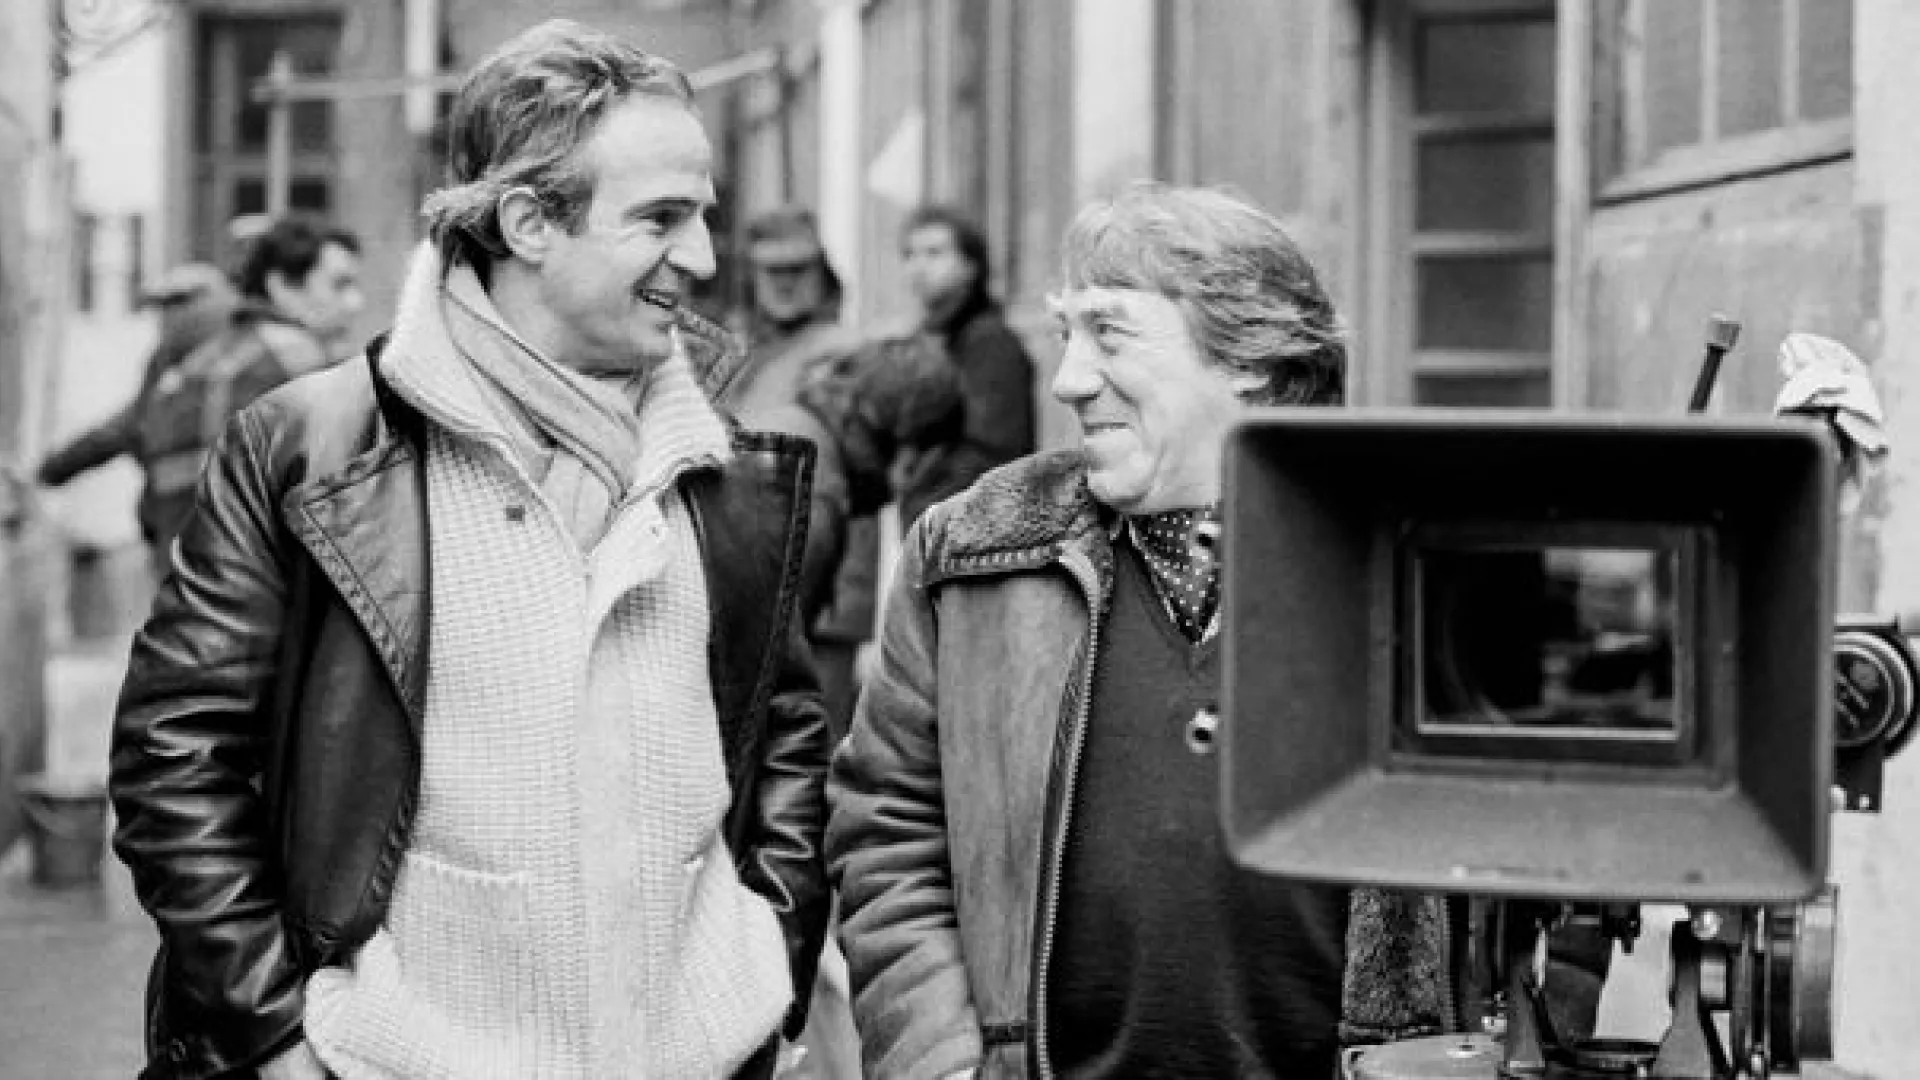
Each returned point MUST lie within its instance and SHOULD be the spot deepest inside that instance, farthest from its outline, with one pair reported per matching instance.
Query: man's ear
(524, 227)
(277, 287)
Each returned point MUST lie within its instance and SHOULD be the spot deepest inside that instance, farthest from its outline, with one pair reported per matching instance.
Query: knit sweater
(567, 907)
(1170, 960)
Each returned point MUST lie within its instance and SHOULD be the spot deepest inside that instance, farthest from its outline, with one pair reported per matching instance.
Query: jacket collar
(1021, 517)
(364, 521)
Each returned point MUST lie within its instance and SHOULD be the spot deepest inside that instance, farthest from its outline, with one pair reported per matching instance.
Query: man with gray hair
(474, 735)
(1024, 836)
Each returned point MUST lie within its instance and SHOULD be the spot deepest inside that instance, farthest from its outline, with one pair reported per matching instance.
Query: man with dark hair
(1024, 834)
(307, 272)
(945, 257)
(473, 735)
(299, 292)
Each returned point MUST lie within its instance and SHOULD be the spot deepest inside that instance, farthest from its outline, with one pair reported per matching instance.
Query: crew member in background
(194, 301)
(866, 407)
(791, 328)
(962, 337)
(299, 294)
(945, 257)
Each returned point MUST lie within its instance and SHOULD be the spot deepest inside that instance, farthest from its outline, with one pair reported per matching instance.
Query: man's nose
(692, 252)
(1076, 379)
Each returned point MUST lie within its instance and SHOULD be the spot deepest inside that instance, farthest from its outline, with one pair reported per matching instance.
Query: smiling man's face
(614, 284)
(1153, 413)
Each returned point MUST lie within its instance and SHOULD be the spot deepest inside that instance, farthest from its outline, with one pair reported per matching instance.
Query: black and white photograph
(959, 539)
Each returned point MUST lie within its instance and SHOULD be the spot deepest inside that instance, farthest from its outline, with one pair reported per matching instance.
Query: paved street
(73, 962)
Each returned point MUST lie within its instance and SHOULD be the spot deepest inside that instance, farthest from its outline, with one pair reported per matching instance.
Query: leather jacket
(266, 747)
(952, 795)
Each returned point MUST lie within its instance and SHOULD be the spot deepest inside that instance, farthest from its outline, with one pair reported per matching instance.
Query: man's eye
(660, 222)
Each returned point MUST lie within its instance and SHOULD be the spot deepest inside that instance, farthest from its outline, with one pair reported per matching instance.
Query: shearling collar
(1019, 516)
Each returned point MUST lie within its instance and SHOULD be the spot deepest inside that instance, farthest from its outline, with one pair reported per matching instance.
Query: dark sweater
(1170, 961)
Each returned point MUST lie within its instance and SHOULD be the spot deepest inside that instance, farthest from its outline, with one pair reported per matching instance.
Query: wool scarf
(578, 437)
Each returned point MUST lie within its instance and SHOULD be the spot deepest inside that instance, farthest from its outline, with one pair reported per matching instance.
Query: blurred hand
(793, 1062)
(16, 493)
(298, 1062)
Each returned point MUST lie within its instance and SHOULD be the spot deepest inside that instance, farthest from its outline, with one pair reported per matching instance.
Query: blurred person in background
(865, 405)
(957, 394)
(791, 326)
(793, 309)
(944, 255)
(299, 294)
(236, 241)
(473, 733)
(873, 408)
(195, 302)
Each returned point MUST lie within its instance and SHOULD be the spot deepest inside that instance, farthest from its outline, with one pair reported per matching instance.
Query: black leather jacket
(266, 748)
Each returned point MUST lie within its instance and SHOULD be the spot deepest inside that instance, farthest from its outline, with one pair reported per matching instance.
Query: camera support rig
(1761, 974)
(1768, 970)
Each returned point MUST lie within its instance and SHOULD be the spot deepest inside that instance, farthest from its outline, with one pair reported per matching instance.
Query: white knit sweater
(567, 907)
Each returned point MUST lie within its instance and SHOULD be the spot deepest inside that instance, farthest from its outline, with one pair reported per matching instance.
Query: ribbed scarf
(578, 437)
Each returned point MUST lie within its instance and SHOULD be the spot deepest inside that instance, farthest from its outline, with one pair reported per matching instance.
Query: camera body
(1552, 660)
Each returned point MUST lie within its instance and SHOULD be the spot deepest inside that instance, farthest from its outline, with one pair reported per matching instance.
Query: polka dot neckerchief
(1184, 570)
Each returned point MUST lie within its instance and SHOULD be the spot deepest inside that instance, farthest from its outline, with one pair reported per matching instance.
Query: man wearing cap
(195, 302)
(791, 325)
(793, 310)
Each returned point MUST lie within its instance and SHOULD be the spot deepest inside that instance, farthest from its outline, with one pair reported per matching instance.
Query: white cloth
(1824, 378)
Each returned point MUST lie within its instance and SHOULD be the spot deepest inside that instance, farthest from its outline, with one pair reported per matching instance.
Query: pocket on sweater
(463, 940)
(732, 978)
(446, 989)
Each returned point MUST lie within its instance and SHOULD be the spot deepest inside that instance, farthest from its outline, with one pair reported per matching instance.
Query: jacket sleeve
(888, 850)
(91, 449)
(783, 862)
(189, 745)
(998, 377)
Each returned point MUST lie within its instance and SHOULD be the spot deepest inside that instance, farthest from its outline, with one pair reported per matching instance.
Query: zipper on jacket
(1050, 872)
(1451, 1019)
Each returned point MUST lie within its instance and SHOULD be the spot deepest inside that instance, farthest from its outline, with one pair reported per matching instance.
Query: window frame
(212, 166)
(1714, 159)
(1392, 364)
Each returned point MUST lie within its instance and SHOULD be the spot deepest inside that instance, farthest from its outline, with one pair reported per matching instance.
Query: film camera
(1550, 664)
